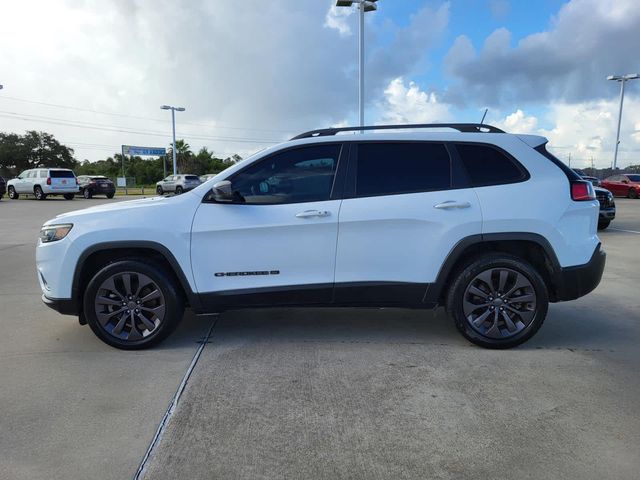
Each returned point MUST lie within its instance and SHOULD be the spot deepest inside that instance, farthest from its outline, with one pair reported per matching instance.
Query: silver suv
(177, 183)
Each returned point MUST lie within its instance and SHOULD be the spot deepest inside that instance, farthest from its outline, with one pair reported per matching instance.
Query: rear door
(408, 207)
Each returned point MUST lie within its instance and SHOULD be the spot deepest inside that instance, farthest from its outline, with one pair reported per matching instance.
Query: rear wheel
(179, 190)
(37, 191)
(132, 305)
(159, 190)
(632, 193)
(86, 193)
(603, 224)
(110, 195)
(498, 301)
(69, 196)
(13, 195)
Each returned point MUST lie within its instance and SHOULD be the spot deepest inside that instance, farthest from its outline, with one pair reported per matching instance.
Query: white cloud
(406, 103)
(584, 130)
(518, 122)
(336, 19)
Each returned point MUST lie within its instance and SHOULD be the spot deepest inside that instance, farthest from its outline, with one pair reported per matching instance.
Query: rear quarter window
(487, 165)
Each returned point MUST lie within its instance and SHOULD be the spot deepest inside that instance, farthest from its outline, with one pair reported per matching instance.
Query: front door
(277, 243)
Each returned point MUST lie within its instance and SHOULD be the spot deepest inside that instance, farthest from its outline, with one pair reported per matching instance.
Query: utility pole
(622, 79)
(173, 123)
(363, 7)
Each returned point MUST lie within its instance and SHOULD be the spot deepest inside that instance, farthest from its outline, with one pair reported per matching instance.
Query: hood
(600, 189)
(115, 207)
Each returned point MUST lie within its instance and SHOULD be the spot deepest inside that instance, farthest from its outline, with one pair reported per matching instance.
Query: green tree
(33, 150)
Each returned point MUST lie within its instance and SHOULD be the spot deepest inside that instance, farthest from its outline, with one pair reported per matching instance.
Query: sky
(251, 74)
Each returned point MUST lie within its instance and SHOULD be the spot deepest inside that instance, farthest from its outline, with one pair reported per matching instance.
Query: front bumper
(607, 214)
(577, 281)
(65, 306)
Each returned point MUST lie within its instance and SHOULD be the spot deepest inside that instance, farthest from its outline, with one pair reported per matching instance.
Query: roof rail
(461, 127)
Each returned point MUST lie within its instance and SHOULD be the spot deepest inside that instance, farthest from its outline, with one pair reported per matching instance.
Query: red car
(627, 185)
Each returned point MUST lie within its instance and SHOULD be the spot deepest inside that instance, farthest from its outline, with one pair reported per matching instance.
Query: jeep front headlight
(53, 233)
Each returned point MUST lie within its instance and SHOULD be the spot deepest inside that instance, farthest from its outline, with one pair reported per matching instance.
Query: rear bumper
(575, 282)
(65, 306)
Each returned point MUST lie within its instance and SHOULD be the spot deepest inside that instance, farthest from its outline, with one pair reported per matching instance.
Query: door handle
(313, 213)
(451, 204)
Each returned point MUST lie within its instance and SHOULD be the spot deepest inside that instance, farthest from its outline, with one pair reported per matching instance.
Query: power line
(80, 109)
(120, 129)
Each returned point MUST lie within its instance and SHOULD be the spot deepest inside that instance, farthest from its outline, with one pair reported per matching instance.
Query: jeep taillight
(48, 180)
(582, 191)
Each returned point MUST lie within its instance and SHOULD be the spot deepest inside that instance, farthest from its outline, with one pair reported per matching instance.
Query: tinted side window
(488, 166)
(293, 176)
(394, 168)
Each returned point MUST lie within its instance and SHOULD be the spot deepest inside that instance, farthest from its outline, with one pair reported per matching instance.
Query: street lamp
(622, 79)
(173, 122)
(363, 7)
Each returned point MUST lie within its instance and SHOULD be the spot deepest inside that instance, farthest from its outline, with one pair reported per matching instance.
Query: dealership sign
(142, 151)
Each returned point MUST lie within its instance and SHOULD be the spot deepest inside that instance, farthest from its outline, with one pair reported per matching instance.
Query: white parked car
(177, 184)
(488, 224)
(43, 182)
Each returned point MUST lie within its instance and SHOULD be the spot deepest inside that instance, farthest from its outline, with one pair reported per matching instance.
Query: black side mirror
(222, 192)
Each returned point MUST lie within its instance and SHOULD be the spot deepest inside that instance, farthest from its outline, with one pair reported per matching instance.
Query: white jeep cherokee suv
(488, 224)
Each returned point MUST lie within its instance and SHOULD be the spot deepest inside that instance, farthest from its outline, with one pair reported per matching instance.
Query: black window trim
(338, 178)
(570, 174)
(525, 175)
(458, 176)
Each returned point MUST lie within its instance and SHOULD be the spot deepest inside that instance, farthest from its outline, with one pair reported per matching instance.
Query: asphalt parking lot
(320, 393)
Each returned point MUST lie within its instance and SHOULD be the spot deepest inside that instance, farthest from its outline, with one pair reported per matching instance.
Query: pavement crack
(173, 404)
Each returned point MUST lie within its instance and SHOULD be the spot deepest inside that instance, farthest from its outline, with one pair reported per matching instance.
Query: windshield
(634, 178)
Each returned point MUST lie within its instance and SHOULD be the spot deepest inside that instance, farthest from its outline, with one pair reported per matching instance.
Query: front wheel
(633, 193)
(159, 190)
(86, 193)
(132, 305)
(498, 301)
(110, 195)
(69, 196)
(603, 224)
(13, 195)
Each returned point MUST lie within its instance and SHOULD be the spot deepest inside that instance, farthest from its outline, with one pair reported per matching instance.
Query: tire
(1, 197)
(13, 195)
(179, 190)
(110, 195)
(519, 320)
(159, 190)
(86, 193)
(37, 191)
(632, 193)
(69, 196)
(603, 224)
(162, 312)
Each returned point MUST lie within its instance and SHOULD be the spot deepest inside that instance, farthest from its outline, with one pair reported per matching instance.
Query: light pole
(622, 79)
(173, 122)
(363, 7)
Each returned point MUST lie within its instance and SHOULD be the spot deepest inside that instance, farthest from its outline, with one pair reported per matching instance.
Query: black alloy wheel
(498, 301)
(132, 304)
